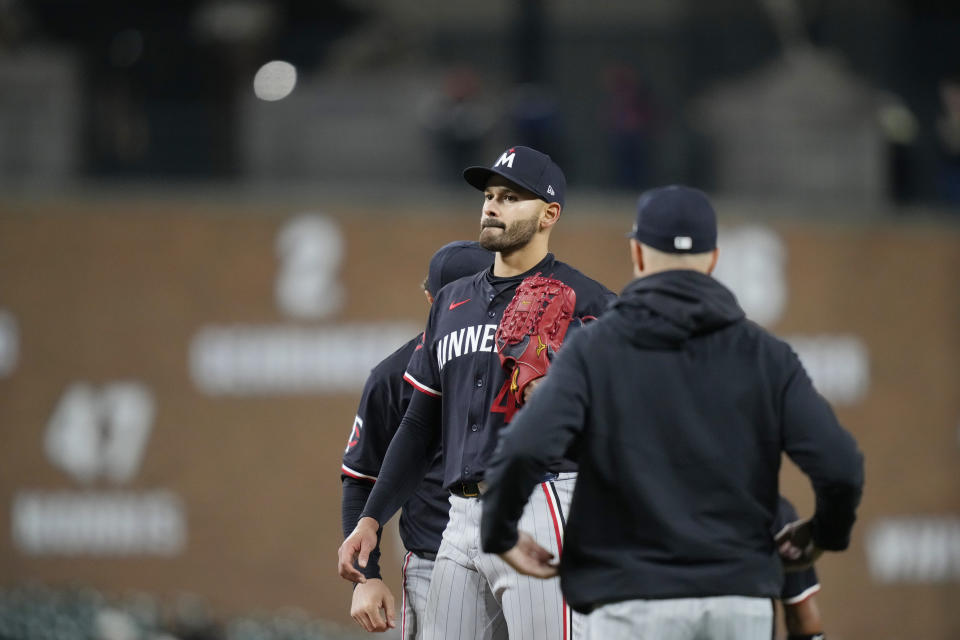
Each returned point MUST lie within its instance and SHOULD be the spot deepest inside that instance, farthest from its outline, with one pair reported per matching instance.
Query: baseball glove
(531, 330)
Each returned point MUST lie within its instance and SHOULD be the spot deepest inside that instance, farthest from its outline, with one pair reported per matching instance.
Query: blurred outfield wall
(178, 381)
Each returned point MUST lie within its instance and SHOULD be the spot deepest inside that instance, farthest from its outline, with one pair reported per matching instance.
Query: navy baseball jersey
(797, 585)
(382, 405)
(459, 362)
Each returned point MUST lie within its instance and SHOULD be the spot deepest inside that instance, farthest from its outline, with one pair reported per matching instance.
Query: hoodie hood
(665, 309)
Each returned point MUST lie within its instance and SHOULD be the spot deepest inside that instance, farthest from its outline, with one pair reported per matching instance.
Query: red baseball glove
(532, 329)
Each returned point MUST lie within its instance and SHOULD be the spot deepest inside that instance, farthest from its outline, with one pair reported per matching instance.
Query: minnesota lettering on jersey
(479, 337)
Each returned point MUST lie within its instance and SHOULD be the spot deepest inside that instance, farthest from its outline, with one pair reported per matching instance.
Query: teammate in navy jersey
(382, 405)
(801, 616)
(463, 403)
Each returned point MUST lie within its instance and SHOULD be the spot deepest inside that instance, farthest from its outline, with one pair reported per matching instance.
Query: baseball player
(680, 410)
(383, 402)
(800, 611)
(463, 400)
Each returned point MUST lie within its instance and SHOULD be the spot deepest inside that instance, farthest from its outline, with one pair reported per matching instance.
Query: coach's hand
(529, 558)
(357, 547)
(795, 545)
(369, 599)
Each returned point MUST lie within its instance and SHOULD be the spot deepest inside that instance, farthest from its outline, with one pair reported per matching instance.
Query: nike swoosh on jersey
(454, 305)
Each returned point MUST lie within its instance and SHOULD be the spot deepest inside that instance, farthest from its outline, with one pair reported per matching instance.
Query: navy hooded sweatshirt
(678, 409)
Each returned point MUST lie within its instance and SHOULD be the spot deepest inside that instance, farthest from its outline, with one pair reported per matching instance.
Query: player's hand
(369, 599)
(795, 545)
(357, 547)
(530, 559)
(527, 390)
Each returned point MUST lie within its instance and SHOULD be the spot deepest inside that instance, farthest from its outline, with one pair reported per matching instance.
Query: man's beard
(514, 237)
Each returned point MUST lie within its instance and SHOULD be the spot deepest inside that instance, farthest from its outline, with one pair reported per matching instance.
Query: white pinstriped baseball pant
(714, 618)
(416, 583)
(476, 595)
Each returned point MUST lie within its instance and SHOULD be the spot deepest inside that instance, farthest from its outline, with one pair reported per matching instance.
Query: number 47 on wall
(100, 432)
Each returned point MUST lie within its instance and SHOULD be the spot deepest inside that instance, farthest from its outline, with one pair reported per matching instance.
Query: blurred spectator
(457, 119)
(899, 128)
(535, 119)
(948, 139)
(628, 116)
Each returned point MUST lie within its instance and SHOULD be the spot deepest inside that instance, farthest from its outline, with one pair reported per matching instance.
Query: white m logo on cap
(506, 158)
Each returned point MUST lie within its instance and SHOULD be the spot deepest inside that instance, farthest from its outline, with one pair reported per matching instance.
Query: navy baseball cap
(454, 261)
(525, 167)
(675, 219)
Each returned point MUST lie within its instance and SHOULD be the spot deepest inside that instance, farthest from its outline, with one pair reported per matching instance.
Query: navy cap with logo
(675, 219)
(527, 168)
(454, 261)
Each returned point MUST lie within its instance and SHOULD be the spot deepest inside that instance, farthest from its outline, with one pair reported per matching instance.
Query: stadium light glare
(275, 80)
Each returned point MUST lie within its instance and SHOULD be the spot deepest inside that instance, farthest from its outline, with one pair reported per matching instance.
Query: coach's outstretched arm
(404, 466)
(540, 433)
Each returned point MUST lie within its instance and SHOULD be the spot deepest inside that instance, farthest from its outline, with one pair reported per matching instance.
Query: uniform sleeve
(408, 458)
(797, 585)
(418, 436)
(354, 497)
(373, 427)
(423, 373)
(603, 302)
(826, 453)
(597, 300)
(540, 433)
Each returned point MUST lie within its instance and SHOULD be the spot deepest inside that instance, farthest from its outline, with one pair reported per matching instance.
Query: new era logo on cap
(527, 168)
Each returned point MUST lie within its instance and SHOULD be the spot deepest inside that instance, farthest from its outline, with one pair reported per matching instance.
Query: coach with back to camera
(679, 408)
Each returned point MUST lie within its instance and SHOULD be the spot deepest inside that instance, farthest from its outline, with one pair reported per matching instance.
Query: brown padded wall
(117, 292)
